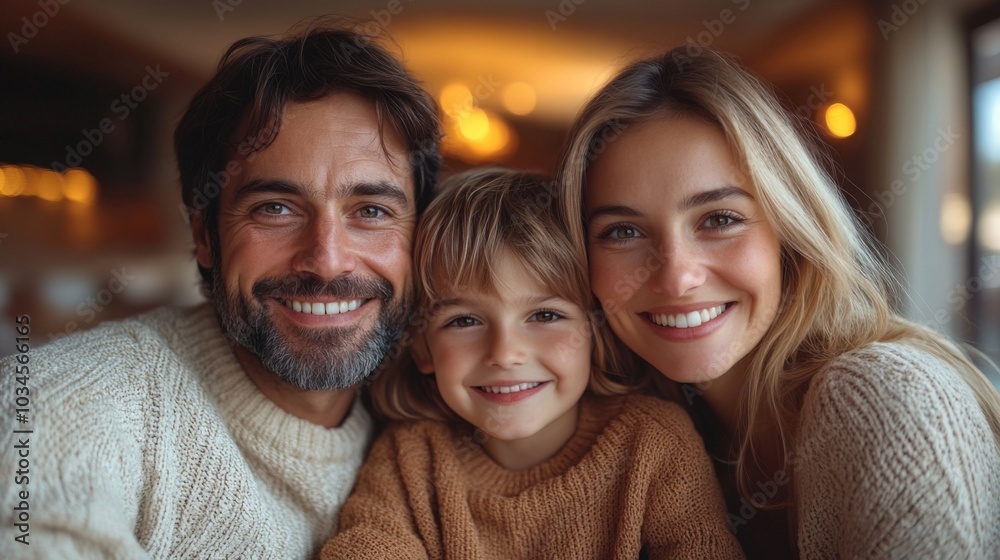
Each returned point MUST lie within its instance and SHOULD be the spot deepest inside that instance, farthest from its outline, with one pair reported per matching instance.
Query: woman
(724, 257)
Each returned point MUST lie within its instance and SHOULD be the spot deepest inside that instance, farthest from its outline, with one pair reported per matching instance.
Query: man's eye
(274, 209)
(371, 212)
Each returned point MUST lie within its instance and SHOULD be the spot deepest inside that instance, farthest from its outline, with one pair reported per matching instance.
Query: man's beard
(314, 359)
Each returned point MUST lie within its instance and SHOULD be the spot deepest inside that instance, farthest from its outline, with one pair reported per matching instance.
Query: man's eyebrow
(713, 195)
(267, 186)
(383, 189)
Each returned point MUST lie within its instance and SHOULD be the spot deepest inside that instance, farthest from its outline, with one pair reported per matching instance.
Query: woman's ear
(421, 354)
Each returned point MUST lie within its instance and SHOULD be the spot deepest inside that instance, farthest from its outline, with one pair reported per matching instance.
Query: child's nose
(506, 349)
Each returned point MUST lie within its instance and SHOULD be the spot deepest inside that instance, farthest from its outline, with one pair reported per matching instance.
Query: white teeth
(693, 319)
(320, 308)
(687, 320)
(510, 388)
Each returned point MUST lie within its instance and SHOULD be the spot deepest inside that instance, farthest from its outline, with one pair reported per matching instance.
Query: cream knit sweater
(149, 441)
(895, 459)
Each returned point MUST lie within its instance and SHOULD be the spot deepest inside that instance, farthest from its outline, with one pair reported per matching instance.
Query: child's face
(515, 364)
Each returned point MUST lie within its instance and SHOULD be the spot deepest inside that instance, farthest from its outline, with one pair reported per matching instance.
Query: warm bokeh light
(77, 185)
(956, 218)
(474, 125)
(840, 121)
(456, 99)
(80, 186)
(13, 184)
(989, 228)
(481, 136)
(48, 184)
(563, 68)
(494, 142)
(519, 98)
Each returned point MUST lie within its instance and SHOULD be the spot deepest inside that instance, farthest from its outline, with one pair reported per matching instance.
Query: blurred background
(905, 93)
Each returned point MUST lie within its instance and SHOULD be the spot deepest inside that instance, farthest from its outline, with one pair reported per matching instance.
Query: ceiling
(564, 48)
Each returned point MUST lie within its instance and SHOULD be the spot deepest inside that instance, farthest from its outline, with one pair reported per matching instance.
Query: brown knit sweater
(634, 475)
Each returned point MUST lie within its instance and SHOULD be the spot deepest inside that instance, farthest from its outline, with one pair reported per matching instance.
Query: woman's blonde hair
(836, 291)
(476, 219)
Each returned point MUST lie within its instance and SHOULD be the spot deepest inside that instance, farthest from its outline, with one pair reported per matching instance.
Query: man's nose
(325, 249)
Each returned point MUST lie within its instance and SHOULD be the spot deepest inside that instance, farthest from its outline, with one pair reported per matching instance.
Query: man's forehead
(336, 135)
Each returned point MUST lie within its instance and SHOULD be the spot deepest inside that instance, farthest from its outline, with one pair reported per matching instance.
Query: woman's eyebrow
(713, 195)
(614, 210)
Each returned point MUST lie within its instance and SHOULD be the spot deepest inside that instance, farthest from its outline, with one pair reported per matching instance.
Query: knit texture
(895, 459)
(150, 442)
(635, 474)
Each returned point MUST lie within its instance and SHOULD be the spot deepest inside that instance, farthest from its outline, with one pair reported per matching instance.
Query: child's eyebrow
(450, 302)
(540, 299)
(529, 300)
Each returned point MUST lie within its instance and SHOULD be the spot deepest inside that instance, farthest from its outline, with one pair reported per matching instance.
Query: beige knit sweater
(149, 441)
(895, 459)
(634, 474)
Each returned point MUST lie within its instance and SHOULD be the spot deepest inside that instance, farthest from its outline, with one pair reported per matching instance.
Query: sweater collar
(595, 415)
(251, 417)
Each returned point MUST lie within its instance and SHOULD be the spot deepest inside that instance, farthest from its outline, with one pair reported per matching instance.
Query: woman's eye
(721, 220)
(626, 233)
(619, 232)
(372, 212)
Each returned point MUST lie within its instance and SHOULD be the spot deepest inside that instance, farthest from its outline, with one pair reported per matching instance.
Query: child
(506, 453)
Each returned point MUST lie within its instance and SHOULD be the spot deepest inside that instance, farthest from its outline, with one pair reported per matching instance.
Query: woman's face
(682, 258)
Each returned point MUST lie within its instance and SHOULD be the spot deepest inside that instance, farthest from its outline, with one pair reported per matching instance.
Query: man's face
(312, 266)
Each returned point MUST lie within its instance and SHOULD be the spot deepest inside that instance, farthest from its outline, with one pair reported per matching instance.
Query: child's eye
(462, 322)
(547, 316)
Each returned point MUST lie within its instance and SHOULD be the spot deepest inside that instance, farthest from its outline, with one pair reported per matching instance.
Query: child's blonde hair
(477, 218)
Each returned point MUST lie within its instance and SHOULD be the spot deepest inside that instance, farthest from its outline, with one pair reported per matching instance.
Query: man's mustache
(340, 288)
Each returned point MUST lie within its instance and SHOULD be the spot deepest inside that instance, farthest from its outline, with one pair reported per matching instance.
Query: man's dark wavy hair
(258, 76)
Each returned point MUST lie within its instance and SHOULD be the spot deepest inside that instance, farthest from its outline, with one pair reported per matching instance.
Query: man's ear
(203, 248)
(421, 354)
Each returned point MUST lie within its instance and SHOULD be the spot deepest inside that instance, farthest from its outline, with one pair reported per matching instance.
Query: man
(232, 429)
